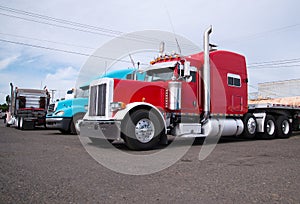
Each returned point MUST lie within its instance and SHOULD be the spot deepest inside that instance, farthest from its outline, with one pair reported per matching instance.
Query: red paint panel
(223, 97)
(129, 91)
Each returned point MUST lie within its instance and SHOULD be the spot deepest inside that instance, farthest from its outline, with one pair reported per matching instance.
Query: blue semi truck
(65, 115)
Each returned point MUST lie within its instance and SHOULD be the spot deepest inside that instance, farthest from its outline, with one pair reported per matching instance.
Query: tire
(74, 125)
(250, 126)
(18, 123)
(283, 127)
(269, 128)
(142, 130)
(21, 123)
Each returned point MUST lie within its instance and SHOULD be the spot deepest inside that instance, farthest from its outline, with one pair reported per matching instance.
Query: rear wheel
(269, 128)
(250, 126)
(283, 127)
(142, 130)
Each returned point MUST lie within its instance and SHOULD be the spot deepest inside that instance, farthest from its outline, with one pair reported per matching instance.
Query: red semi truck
(200, 95)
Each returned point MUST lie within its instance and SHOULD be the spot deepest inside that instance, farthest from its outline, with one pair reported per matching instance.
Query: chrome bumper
(101, 129)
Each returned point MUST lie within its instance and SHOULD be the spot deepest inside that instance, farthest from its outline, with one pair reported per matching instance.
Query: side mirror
(187, 69)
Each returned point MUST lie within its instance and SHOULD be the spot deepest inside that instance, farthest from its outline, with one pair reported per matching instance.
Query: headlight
(59, 113)
(86, 107)
(114, 106)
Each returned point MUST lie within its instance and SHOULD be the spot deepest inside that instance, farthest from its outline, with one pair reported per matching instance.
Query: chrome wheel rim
(285, 127)
(144, 130)
(251, 125)
(270, 127)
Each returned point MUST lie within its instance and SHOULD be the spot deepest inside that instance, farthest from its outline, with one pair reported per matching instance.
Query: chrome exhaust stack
(206, 75)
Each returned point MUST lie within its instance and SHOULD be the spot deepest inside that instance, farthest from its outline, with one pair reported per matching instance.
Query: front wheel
(75, 123)
(142, 130)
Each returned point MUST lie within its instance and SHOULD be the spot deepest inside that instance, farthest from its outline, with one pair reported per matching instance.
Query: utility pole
(11, 97)
(52, 94)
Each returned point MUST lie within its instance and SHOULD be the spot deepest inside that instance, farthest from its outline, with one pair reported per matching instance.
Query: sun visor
(161, 65)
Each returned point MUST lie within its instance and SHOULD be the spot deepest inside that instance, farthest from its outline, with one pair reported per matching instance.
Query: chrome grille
(101, 100)
(97, 100)
(93, 101)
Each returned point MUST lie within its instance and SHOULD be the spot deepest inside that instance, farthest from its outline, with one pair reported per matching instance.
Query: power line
(65, 51)
(82, 27)
(49, 41)
(263, 66)
(56, 25)
(113, 33)
(275, 64)
(60, 20)
(275, 67)
(255, 35)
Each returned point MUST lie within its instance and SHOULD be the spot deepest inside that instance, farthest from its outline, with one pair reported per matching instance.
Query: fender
(120, 115)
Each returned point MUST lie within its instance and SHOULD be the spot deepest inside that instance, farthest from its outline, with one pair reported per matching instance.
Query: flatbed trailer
(273, 117)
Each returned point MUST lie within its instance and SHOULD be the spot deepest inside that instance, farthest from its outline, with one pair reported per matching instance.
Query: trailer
(276, 117)
(28, 108)
(200, 95)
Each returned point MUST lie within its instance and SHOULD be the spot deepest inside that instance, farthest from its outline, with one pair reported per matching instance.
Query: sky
(46, 43)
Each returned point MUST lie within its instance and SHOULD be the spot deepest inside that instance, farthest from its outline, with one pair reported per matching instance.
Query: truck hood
(71, 102)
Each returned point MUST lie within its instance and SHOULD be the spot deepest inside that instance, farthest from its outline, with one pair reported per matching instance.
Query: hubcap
(270, 127)
(144, 130)
(251, 125)
(285, 127)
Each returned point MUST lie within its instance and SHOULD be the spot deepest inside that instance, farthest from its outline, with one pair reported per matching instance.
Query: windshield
(83, 92)
(159, 74)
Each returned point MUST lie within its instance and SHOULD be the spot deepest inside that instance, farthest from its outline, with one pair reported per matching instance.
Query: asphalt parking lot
(43, 166)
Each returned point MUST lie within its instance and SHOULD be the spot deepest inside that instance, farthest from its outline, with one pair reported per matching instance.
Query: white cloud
(62, 80)
(6, 62)
(63, 74)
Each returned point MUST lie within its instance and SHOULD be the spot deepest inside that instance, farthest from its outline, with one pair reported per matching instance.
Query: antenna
(162, 47)
(131, 59)
(177, 43)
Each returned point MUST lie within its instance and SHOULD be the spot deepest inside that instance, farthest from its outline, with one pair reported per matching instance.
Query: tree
(7, 99)
(4, 107)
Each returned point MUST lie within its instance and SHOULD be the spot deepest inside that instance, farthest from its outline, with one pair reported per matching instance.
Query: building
(279, 89)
